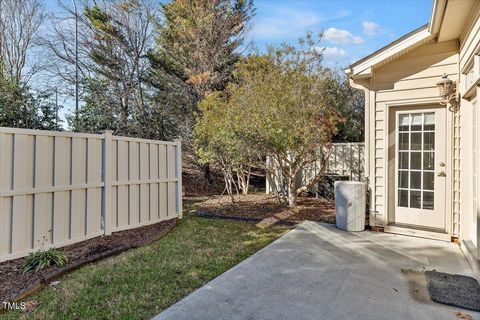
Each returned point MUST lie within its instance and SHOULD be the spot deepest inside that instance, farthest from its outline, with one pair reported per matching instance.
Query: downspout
(366, 91)
(368, 154)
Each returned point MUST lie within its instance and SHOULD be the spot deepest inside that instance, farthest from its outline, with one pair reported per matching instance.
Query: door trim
(421, 218)
(389, 226)
(415, 232)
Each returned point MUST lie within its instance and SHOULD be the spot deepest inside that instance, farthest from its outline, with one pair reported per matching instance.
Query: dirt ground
(194, 184)
(13, 280)
(264, 206)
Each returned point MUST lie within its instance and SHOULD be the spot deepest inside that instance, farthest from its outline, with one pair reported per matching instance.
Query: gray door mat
(453, 289)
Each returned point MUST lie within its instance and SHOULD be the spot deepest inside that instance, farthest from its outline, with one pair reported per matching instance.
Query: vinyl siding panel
(463, 204)
(470, 39)
(408, 78)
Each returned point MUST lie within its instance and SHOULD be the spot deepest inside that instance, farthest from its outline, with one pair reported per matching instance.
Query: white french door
(420, 168)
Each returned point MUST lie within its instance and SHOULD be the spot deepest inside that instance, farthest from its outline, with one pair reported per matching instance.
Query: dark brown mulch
(195, 185)
(257, 207)
(13, 281)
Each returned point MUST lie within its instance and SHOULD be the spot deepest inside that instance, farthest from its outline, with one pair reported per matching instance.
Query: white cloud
(286, 24)
(370, 28)
(334, 52)
(288, 21)
(339, 36)
(335, 57)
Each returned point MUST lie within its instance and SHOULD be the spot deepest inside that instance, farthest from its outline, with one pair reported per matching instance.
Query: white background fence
(59, 188)
(346, 159)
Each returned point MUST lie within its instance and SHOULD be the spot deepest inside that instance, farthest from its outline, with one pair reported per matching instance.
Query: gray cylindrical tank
(350, 205)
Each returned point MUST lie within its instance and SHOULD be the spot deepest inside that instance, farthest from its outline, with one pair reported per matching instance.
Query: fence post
(178, 163)
(3, 231)
(107, 180)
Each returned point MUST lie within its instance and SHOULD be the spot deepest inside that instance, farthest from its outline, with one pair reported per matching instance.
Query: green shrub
(44, 258)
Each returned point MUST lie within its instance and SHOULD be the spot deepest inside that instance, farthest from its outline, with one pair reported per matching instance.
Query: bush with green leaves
(216, 143)
(282, 105)
(44, 258)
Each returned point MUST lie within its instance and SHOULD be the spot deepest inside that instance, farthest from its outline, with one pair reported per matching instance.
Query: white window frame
(409, 152)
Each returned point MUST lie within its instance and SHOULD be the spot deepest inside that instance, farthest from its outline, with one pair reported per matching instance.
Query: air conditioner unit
(350, 205)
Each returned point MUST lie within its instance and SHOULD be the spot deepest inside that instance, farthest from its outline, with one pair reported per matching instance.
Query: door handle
(442, 174)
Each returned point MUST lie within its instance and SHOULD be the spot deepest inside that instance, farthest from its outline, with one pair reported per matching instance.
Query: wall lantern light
(448, 93)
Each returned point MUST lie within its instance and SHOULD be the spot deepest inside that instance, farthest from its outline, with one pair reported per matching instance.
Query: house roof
(447, 22)
(363, 67)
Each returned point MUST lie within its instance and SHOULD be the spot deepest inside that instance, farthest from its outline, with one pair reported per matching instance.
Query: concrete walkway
(319, 272)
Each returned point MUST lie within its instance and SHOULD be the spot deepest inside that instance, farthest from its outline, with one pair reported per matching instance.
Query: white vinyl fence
(346, 159)
(58, 188)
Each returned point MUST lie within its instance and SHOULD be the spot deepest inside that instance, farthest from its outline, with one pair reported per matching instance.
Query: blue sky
(353, 29)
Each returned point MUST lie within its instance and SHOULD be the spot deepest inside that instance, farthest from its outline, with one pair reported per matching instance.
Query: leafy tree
(283, 106)
(98, 113)
(199, 40)
(46, 111)
(351, 107)
(114, 39)
(121, 36)
(198, 44)
(20, 107)
(11, 114)
(20, 21)
(216, 143)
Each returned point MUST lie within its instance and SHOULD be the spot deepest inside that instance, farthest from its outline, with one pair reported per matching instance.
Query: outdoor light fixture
(448, 93)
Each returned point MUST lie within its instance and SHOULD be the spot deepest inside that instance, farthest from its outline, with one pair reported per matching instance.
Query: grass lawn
(142, 282)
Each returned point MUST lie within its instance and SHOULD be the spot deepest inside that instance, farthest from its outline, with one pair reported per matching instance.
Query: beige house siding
(403, 74)
(405, 81)
(469, 67)
(470, 38)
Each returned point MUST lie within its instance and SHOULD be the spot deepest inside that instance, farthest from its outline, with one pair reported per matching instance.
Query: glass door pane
(416, 158)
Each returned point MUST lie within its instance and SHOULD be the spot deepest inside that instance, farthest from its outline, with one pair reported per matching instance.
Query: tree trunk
(291, 193)
(291, 200)
(207, 174)
(228, 185)
(243, 178)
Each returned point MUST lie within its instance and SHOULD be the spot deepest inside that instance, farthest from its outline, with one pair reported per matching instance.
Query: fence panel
(59, 188)
(145, 182)
(346, 159)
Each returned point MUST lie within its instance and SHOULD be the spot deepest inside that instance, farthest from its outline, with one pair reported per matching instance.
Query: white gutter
(436, 18)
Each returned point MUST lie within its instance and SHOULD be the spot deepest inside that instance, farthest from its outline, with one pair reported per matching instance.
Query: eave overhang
(448, 19)
(364, 67)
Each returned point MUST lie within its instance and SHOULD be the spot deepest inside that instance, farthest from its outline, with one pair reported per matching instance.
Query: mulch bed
(15, 285)
(259, 207)
(195, 185)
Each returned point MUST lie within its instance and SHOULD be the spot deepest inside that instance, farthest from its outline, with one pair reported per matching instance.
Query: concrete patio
(319, 272)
